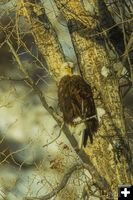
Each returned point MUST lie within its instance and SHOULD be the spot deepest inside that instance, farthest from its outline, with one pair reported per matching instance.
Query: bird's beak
(69, 70)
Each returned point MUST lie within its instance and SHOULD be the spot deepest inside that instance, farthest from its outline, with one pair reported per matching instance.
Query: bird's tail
(91, 128)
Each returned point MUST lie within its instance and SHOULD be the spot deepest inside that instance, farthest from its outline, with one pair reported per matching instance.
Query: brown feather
(76, 100)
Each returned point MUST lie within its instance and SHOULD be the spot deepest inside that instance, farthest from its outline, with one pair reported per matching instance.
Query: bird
(75, 99)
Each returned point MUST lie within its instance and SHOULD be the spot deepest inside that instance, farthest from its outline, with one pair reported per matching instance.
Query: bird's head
(66, 69)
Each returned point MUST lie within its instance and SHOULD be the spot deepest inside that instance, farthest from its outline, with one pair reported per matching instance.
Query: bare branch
(61, 185)
(7, 78)
(56, 137)
(81, 153)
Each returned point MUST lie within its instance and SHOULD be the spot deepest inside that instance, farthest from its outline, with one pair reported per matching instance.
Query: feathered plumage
(76, 100)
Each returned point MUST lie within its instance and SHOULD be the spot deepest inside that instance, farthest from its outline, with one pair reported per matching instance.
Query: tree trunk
(109, 152)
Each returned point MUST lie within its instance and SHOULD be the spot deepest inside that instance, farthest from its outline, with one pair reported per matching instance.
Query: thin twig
(62, 184)
(56, 137)
(7, 78)
(102, 183)
(84, 120)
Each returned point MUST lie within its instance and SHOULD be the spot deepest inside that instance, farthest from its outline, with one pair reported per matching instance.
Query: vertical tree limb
(93, 59)
(48, 44)
(44, 35)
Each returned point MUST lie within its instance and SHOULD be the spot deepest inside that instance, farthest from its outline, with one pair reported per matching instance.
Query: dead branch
(102, 183)
(62, 184)
(7, 78)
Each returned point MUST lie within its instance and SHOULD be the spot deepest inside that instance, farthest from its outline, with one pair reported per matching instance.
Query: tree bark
(110, 152)
(44, 35)
(50, 48)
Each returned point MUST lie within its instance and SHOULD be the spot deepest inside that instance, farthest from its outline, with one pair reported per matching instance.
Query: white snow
(100, 113)
(105, 71)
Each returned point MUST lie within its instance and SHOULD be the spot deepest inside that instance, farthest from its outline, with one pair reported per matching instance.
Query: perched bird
(76, 102)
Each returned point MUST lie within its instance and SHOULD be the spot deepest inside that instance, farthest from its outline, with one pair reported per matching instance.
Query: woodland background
(37, 155)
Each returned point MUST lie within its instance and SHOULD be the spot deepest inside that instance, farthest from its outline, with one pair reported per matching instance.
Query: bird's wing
(82, 97)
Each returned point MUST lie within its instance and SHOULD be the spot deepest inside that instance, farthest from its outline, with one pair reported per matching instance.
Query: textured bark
(92, 57)
(45, 37)
(48, 44)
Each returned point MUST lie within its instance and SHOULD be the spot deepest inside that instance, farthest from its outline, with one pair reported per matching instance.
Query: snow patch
(100, 113)
(105, 71)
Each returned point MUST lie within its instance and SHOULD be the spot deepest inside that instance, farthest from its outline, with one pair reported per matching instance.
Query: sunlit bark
(44, 35)
(93, 59)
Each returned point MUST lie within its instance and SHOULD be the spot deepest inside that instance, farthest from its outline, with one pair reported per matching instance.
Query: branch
(7, 78)
(75, 10)
(44, 35)
(102, 183)
(92, 56)
(63, 183)
(126, 55)
(55, 138)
